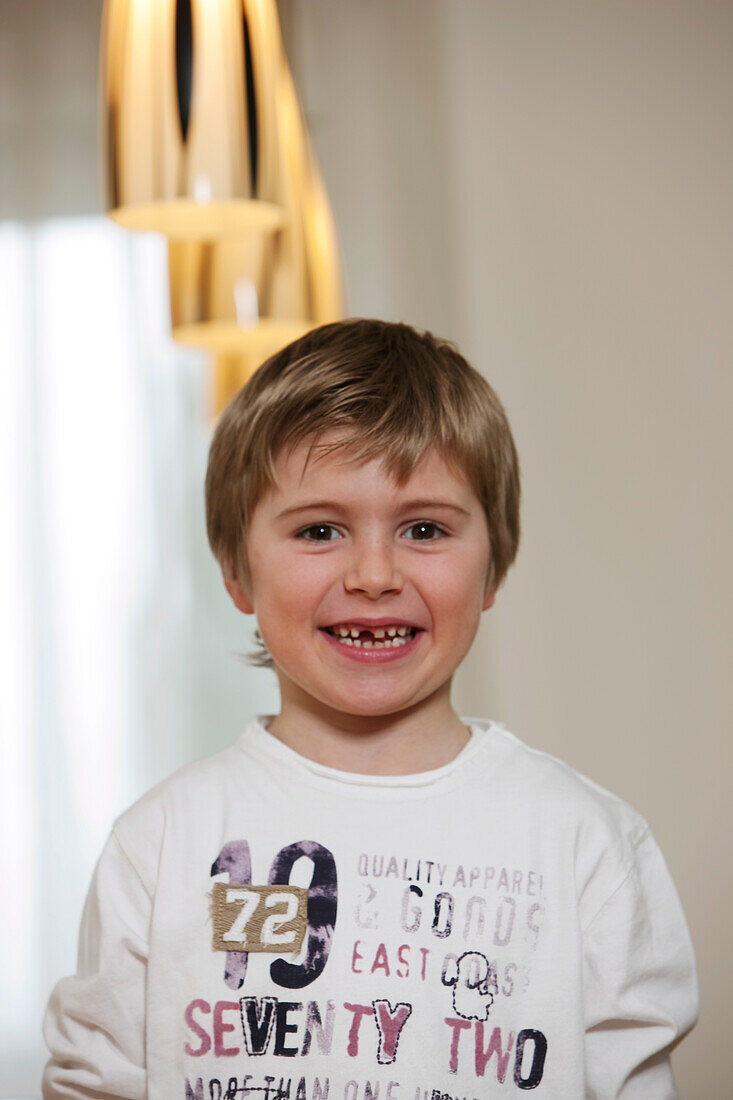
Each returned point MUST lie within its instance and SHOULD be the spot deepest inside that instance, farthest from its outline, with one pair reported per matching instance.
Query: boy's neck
(413, 740)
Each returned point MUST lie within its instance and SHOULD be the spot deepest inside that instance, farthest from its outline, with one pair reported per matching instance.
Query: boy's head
(361, 394)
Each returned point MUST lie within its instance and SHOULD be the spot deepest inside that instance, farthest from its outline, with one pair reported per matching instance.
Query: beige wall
(48, 108)
(551, 186)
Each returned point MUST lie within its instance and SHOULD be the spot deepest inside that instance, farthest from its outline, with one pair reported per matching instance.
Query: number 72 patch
(259, 918)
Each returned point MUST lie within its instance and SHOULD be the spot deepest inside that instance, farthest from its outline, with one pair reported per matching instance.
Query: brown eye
(427, 531)
(322, 534)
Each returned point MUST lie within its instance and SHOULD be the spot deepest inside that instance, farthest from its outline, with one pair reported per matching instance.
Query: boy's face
(340, 546)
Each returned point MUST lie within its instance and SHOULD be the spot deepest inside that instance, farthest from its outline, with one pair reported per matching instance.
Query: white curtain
(118, 643)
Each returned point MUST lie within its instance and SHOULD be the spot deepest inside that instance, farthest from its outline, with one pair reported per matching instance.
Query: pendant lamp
(245, 298)
(188, 93)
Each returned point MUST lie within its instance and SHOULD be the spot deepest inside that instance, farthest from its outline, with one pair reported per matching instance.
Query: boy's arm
(95, 1021)
(640, 984)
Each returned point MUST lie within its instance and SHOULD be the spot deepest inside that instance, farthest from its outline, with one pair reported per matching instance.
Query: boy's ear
(489, 597)
(239, 597)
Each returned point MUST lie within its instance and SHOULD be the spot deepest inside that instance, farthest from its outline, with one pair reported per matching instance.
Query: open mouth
(391, 637)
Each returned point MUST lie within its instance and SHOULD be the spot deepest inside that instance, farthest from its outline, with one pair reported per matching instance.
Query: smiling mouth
(389, 638)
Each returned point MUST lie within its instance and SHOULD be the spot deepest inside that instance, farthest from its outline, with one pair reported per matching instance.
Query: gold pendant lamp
(188, 92)
(244, 298)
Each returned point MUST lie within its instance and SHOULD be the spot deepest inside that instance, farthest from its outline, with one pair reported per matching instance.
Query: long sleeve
(640, 984)
(95, 1021)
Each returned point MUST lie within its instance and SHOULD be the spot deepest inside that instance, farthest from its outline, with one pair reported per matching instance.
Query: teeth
(388, 643)
(378, 632)
(385, 637)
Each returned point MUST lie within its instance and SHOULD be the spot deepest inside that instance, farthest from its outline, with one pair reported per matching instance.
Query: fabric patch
(259, 918)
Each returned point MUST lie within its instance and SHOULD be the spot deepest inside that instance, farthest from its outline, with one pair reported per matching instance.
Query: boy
(368, 896)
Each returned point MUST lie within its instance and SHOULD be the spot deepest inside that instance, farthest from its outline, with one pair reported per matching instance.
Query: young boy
(368, 897)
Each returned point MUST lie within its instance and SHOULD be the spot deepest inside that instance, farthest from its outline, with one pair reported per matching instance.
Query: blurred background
(548, 185)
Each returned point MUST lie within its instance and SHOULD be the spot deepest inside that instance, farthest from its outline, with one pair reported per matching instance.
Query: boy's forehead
(307, 467)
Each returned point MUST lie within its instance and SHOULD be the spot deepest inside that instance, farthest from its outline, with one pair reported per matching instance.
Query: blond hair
(396, 393)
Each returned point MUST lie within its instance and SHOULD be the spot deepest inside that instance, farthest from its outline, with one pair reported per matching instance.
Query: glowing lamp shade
(188, 93)
(245, 298)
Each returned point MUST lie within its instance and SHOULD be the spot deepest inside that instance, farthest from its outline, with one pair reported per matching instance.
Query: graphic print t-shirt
(263, 926)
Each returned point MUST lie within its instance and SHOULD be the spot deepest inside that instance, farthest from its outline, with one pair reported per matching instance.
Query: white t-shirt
(498, 925)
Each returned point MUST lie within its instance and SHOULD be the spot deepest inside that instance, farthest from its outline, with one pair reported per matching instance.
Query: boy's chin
(350, 704)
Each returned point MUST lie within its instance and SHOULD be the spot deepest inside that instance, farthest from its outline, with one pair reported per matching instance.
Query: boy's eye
(320, 528)
(426, 526)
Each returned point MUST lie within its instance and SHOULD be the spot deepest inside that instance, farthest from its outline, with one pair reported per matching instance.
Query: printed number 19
(234, 859)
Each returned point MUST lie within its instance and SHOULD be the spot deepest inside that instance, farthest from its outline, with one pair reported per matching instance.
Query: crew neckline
(256, 737)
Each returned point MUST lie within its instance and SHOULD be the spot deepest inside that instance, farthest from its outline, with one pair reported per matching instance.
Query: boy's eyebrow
(408, 506)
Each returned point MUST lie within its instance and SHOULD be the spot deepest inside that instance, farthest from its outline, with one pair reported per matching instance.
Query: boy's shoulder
(557, 789)
(552, 778)
(141, 827)
(609, 840)
(179, 785)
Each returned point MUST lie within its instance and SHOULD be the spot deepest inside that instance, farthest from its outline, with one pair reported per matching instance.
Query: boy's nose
(373, 570)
